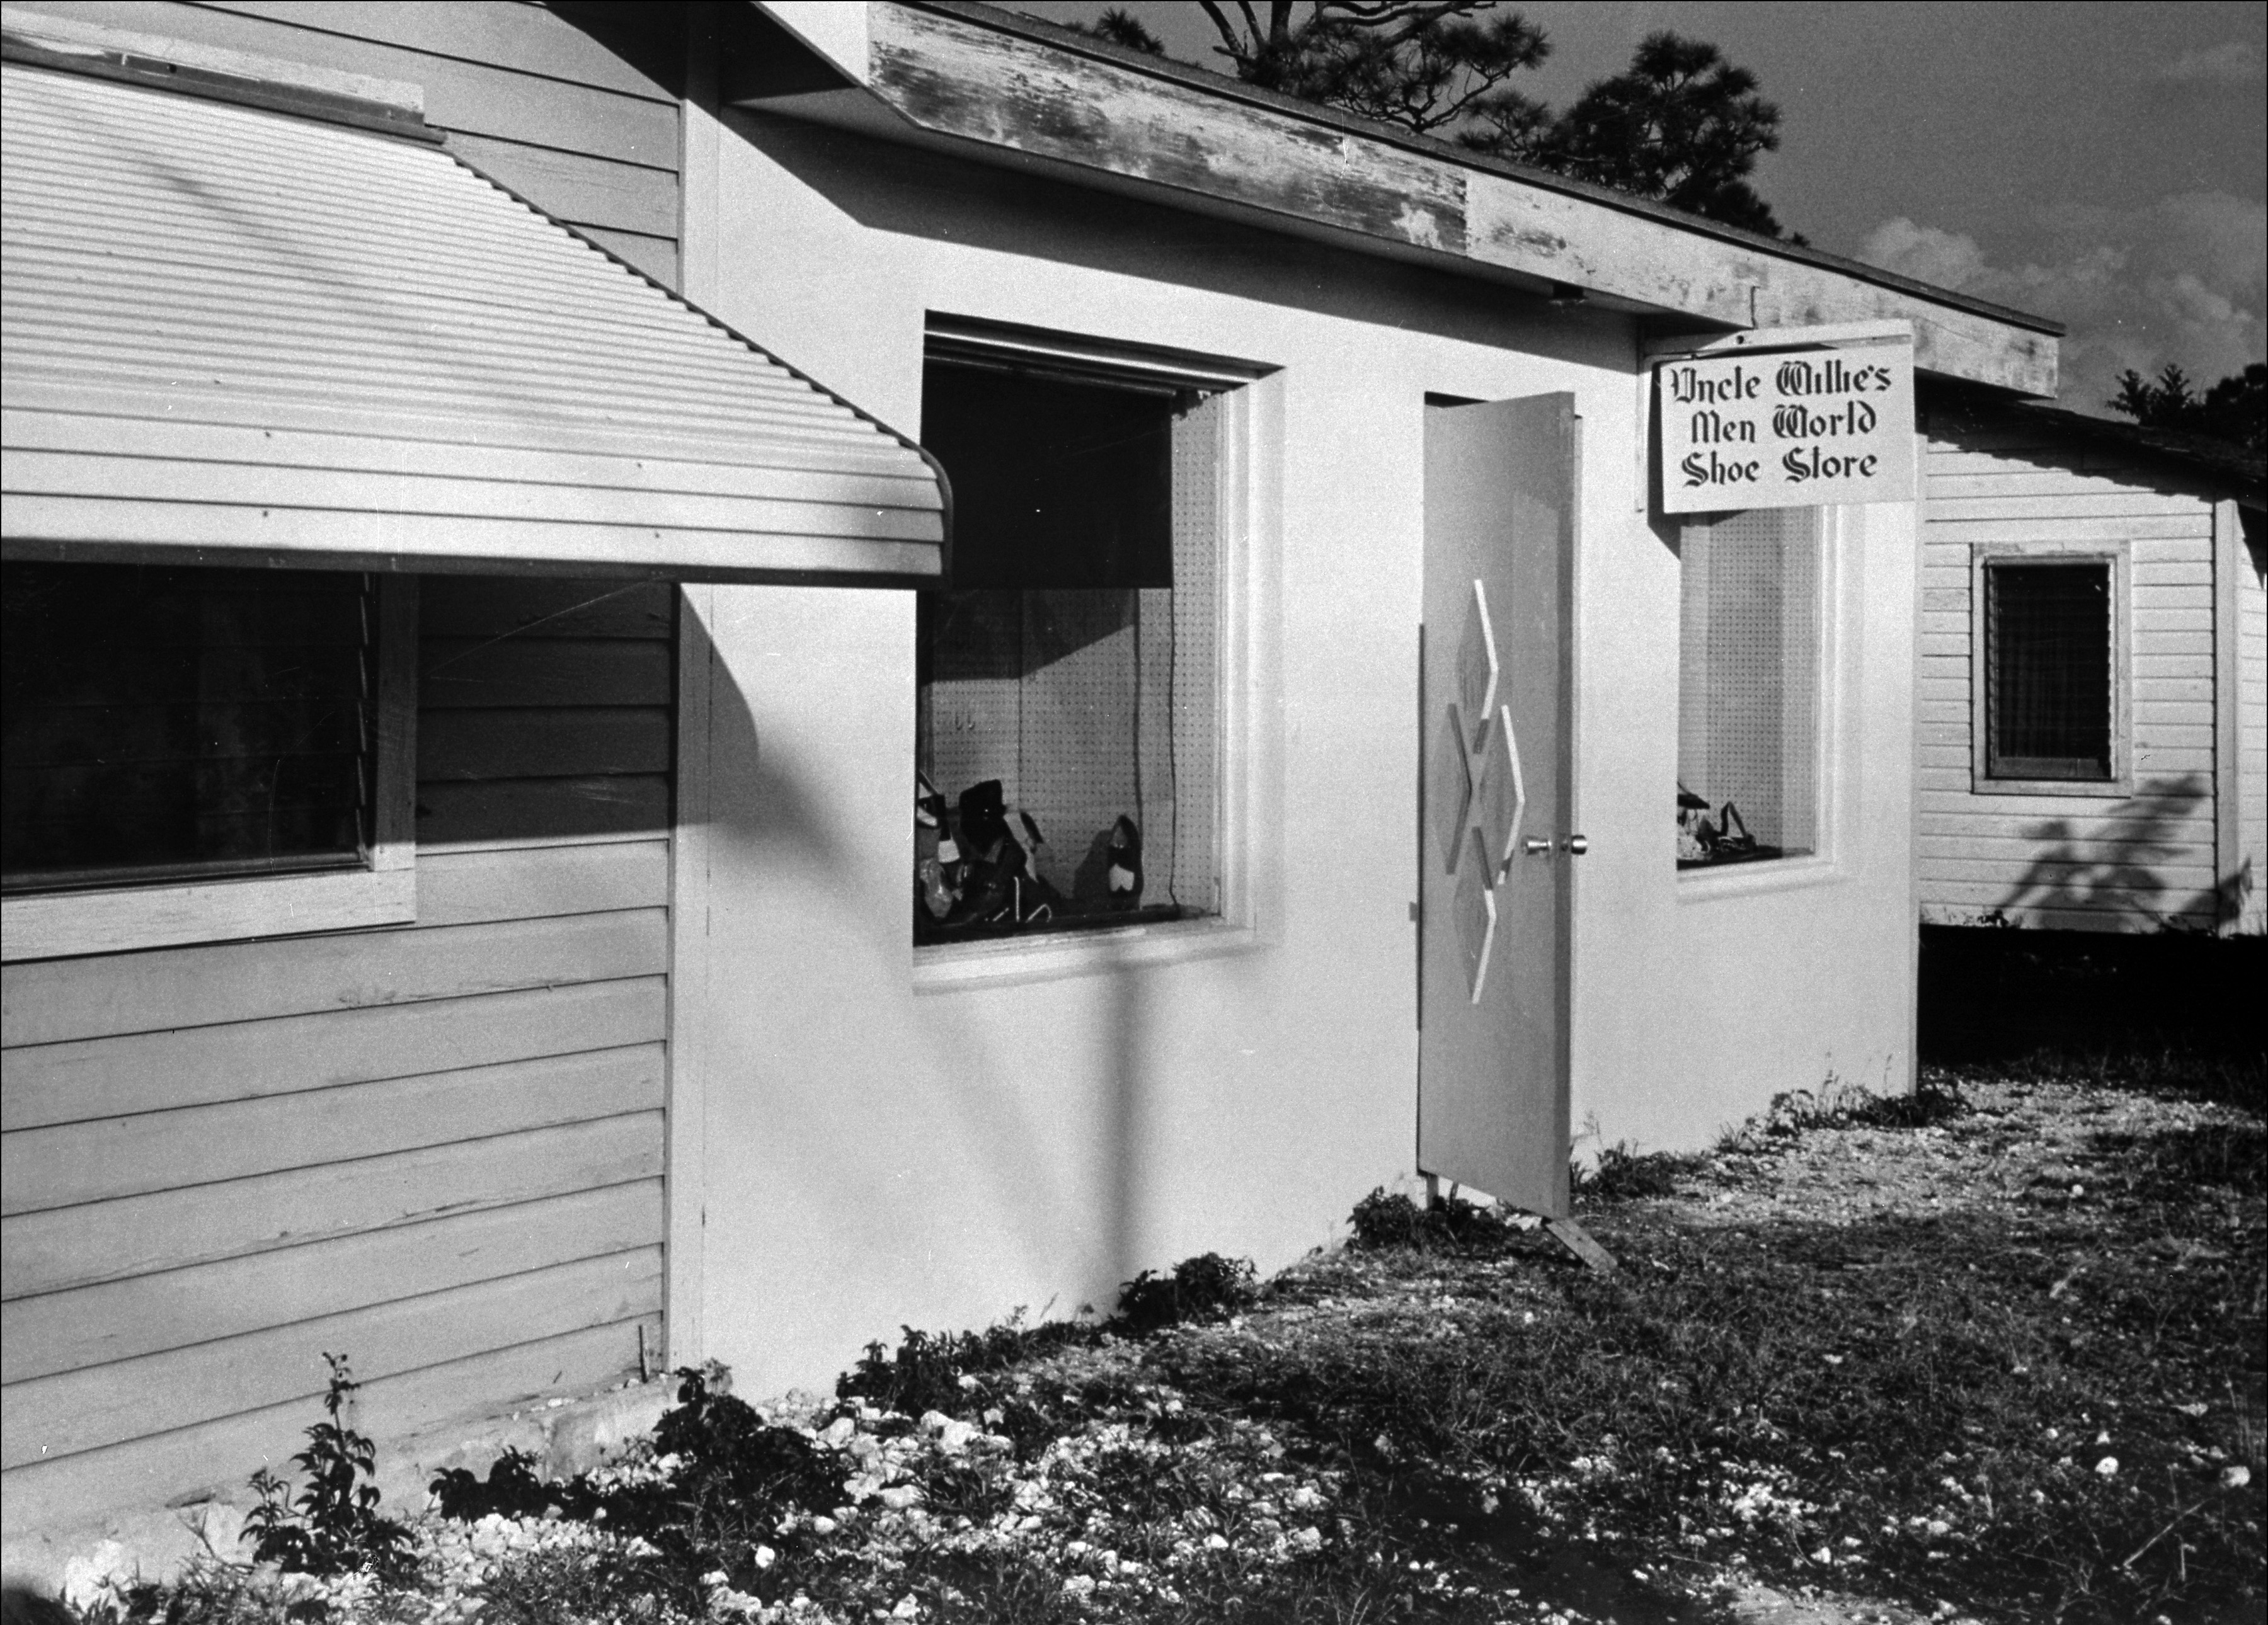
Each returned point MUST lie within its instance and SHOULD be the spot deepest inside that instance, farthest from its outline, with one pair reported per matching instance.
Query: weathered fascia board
(1597, 248)
(933, 78)
(949, 78)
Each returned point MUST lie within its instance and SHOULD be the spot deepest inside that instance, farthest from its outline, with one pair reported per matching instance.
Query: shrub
(727, 1447)
(513, 1489)
(1382, 1221)
(1205, 1287)
(924, 1375)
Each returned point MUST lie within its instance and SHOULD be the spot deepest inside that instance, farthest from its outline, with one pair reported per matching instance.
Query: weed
(1624, 1174)
(1381, 1221)
(2169, 1163)
(1936, 1099)
(513, 1489)
(1206, 1287)
(209, 1593)
(334, 1527)
(730, 1450)
(935, 1371)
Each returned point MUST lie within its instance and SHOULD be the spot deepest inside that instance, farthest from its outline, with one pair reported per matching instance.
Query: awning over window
(233, 331)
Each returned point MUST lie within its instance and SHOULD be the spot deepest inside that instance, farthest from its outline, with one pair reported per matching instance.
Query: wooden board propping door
(1494, 799)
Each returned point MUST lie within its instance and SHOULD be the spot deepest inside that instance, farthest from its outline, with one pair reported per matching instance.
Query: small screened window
(1749, 688)
(1067, 679)
(2049, 669)
(173, 725)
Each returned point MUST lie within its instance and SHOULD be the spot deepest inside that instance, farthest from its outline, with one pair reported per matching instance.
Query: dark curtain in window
(2049, 634)
(165, 722)
(1055, 483)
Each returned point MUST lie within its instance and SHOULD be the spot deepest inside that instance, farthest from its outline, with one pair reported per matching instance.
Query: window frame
(1042, 955)
(1983, 556)
(380, 890)
(1837, 629)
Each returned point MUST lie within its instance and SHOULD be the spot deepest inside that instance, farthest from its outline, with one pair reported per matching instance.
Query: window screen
(1749, 682)
(168, 724)
(2048, 669)
(1067, 691)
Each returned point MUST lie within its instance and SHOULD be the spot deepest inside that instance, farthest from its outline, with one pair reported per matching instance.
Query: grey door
(1495, 803)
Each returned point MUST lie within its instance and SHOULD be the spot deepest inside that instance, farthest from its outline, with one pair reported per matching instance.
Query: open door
(1495, 798)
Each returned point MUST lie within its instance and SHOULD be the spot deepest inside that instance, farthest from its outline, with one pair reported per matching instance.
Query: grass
(1995, 1348)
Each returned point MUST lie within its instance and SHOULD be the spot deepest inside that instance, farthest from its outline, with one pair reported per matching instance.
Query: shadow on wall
(2069, 875)
(952, 1099)
(912, 193)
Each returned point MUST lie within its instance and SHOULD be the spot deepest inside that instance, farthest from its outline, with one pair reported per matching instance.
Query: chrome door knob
(1536, 848)
(1574, 846)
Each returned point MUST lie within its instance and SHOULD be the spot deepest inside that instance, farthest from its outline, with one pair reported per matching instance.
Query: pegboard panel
(1076, 733)
(965, 727)
(1749, 670)
(1181, 774)
(1092, 703)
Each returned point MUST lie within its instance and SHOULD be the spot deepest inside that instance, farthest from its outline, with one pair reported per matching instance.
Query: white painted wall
(1700, 995)
(888, 1144)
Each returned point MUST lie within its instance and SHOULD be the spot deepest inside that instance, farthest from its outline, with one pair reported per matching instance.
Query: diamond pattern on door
(1449, 787)
(1475, 909)
(1502, 795)
(1473, 793)
(1478, 668)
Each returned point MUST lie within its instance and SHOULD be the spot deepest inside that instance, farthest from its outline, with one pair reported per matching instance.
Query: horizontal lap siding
(2130, 863)
(524, 97)
(436, 1149)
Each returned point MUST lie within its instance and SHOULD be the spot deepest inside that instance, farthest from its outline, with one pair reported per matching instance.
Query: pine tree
(1682, 125)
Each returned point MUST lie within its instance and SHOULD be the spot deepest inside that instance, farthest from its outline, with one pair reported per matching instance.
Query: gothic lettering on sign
(1789, 430)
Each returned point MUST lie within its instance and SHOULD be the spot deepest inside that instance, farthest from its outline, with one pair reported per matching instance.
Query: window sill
(1001, 962)
(56, 926)
(2102, 788)
(1780, 874)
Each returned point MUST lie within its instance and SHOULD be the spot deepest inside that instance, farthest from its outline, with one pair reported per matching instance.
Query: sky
(2104, 164)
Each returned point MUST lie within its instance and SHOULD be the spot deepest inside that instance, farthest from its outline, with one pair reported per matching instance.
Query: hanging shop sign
(1785, 427)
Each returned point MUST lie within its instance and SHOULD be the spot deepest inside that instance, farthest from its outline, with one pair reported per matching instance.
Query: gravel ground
(1993, 1353)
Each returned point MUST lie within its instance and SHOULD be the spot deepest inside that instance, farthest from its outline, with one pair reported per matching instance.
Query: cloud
(2237, 62)
(2182, 281)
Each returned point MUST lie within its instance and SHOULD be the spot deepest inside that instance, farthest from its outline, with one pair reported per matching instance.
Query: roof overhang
(279, 321)
(2215, 470)
(1006, 89)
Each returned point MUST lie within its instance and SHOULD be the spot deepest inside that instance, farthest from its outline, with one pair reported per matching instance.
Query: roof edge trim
(1220, 86)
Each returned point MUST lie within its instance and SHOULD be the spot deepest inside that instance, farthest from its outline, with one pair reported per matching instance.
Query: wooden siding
(523, 95)
(2134, 862)
(438, 1149)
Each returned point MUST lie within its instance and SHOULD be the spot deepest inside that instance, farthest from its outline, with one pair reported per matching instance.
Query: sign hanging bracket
(1754, 341)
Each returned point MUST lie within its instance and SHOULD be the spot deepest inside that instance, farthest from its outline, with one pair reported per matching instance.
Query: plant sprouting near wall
(334, 1527)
